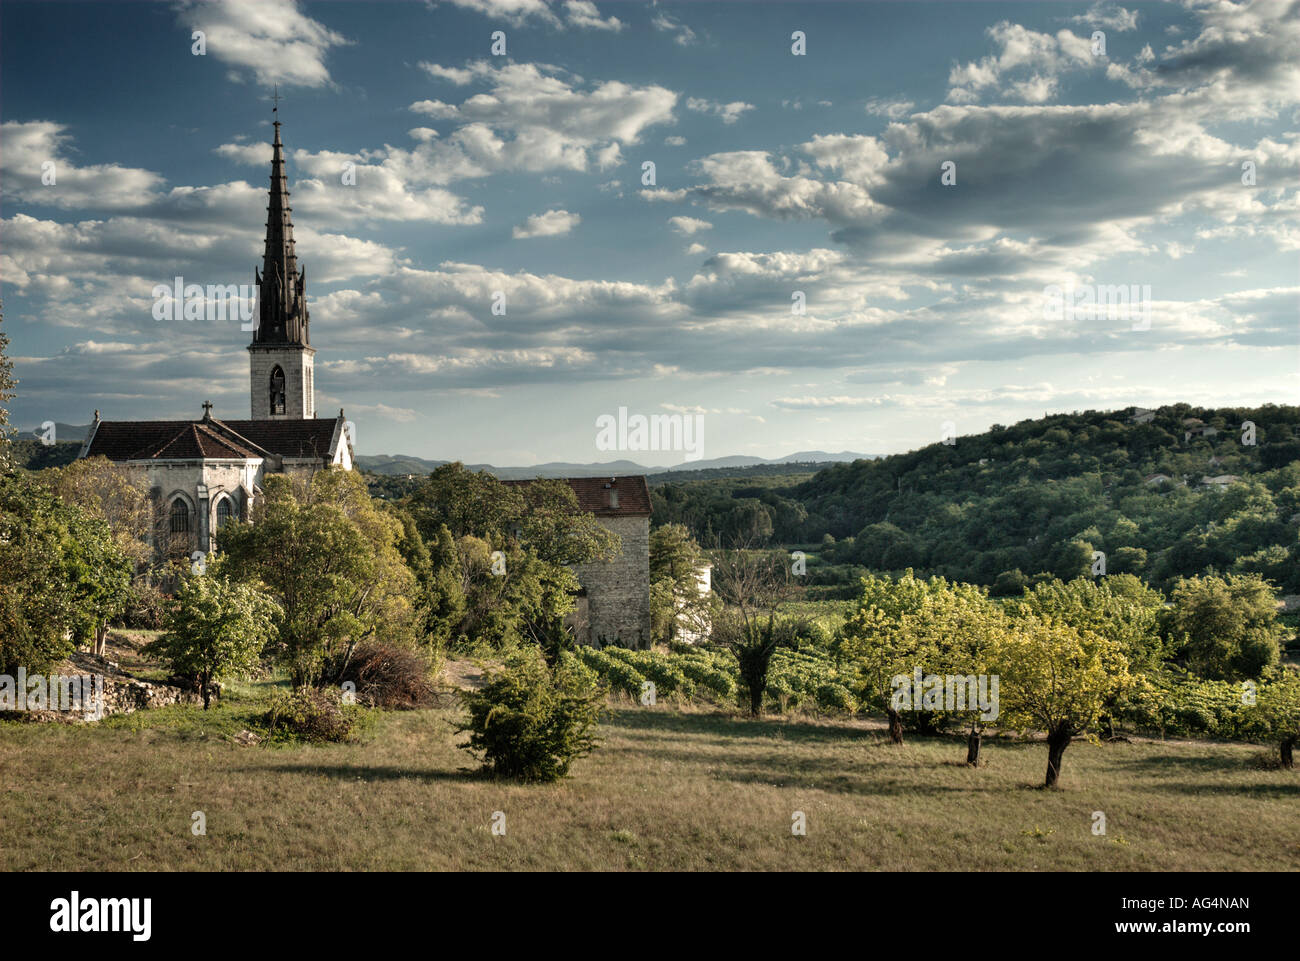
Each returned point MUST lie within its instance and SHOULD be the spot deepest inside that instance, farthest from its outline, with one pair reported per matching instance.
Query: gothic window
(311, 396)
(224, 513)
(180, 517)
(277, 390)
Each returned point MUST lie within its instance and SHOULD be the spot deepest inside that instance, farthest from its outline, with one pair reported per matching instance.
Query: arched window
(277, 390)
(180, 517)
(225, 514)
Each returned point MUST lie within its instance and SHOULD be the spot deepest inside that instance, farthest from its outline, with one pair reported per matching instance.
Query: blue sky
(775, 173)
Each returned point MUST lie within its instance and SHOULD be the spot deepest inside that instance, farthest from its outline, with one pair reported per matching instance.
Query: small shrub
(530, 723)
(390, 675)
(310, 715)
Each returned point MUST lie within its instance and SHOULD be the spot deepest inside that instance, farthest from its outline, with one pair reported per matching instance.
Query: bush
(390, 675)
(146, 607)
(530, 722)
(310, 715)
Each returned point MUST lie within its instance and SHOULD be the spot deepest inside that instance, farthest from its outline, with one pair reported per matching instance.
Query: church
(208, 472)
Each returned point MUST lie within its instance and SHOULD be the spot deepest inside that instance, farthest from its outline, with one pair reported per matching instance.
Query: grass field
(666, 791)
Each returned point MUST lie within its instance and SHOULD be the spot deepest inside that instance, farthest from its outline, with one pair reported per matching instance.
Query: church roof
(593, 493)
(192, 440)
(290, 438)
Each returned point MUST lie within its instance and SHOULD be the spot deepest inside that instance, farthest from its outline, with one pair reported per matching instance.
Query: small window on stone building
(277, 390)
(311, 395)
(180, 517)
(224, 513)
(613, 498)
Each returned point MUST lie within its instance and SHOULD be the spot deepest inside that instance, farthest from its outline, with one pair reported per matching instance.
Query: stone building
(208, 472)
(614, 603)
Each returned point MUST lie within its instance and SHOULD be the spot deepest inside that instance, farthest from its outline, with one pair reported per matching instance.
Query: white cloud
(532, 119)
(682, 34)
(553, 223)
(582, 13)
(729, 112)
(892, 109)
(274, 40)
(688, 225)
(1107, 16)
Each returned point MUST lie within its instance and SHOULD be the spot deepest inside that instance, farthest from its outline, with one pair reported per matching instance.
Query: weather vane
(275, 99)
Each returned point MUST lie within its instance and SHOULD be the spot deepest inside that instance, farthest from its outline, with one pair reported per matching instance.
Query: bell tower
(281, 358)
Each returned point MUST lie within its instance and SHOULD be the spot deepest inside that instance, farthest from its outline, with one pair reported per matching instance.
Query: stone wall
(297, 364)
(618, 591)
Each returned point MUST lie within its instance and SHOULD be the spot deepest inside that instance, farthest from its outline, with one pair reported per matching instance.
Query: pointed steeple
(282, 287)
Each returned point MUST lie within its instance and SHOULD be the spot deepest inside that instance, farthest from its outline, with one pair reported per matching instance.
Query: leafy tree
(215, 629)
(1278, 707)
(904, 624)
(1224, 628)
(327, 555)
(530, 722)
(1057, 679)
(676, 597)
(103, 490)
(754, 584)
(7, 385)
(62, 576)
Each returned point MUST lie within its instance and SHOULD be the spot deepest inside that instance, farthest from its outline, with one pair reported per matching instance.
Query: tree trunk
(895, 726)
(101, 640)
(1287, 747)
(973, 748)
(755, 700)
(1057, 742)
(207, 691)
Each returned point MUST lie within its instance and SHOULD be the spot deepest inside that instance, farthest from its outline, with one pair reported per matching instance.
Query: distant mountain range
(398, 464)
(405, 464)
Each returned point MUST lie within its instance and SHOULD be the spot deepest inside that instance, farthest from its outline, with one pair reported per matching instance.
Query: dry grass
(667, 790)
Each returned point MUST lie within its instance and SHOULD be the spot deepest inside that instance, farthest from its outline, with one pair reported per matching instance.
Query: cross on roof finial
(207, 410)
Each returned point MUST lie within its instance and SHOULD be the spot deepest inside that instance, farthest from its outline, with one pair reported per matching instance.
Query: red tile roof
(593, 494)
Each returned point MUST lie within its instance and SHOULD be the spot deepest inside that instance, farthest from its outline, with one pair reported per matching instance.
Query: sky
(798, 274)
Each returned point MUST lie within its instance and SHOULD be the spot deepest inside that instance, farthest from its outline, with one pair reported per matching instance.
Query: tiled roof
(191, 440)
(593, 494)
(289, 438)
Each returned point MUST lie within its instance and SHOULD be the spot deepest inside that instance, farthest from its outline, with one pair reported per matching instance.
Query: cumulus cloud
(891, 109)
(272, 39)
(532, 118)
(553, 223)
(688, 225)
(729, 112)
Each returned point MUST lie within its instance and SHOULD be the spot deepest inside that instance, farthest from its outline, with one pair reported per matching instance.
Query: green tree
(1224, 628)
(676, 597)
(755, 584)
(215, 629)
(530, 722)
(1056, 679)
(7, 385)
(63, 577)
(328, 556)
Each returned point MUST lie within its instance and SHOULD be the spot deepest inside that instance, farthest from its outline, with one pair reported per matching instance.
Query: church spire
(282, 287)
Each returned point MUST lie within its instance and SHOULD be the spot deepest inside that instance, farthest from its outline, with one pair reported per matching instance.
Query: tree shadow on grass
(1183, 763)
(345, 772)
(636, 724)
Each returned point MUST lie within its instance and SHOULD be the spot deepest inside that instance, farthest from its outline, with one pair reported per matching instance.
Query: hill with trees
(1174, 492)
